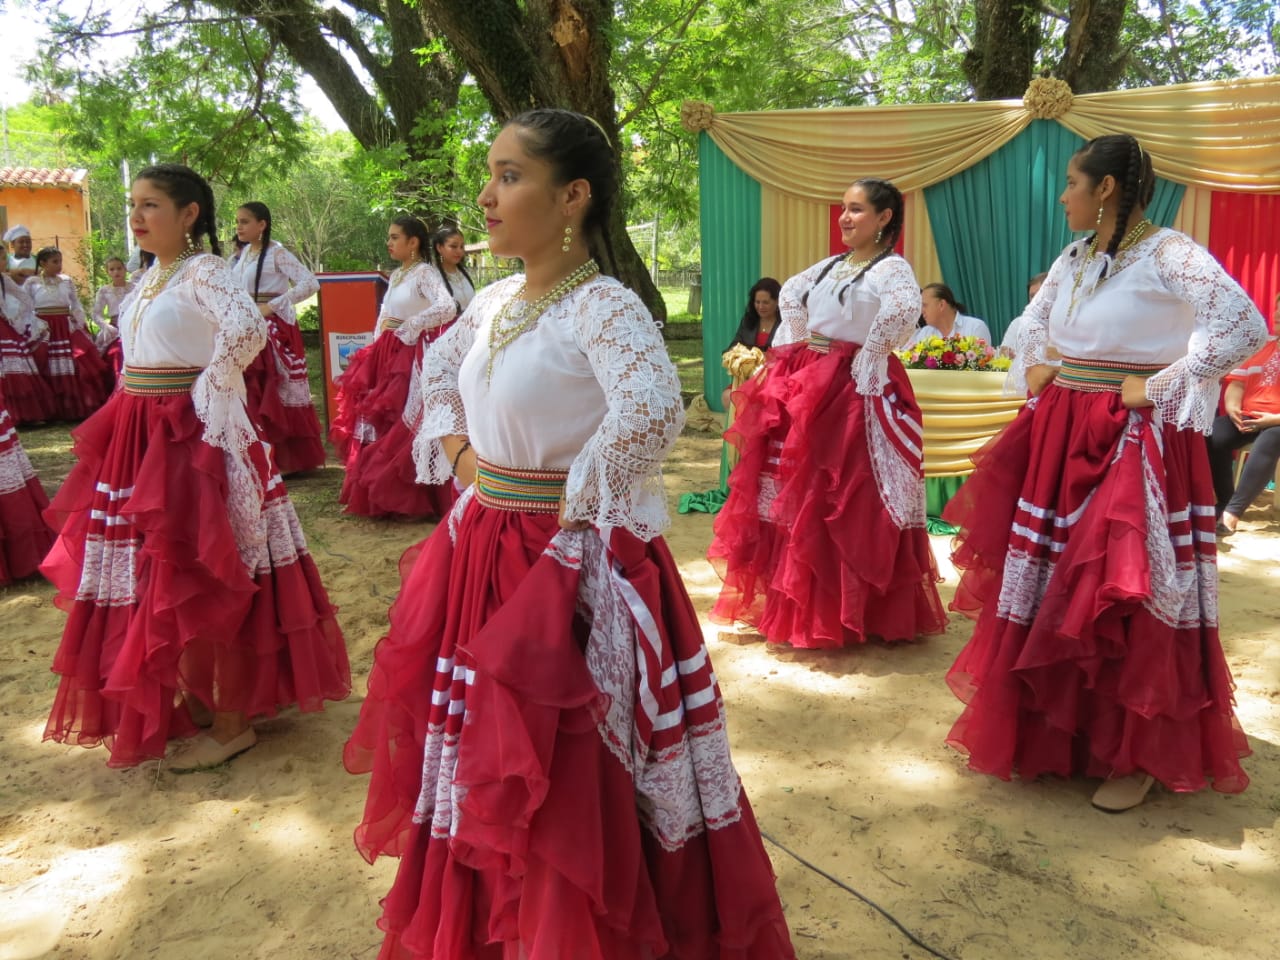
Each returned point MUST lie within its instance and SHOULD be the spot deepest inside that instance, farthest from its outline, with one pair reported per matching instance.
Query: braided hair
(411, 226)
(262, 213)
(437, 239)
(184, 186)
(1120, 156)
(576, 148)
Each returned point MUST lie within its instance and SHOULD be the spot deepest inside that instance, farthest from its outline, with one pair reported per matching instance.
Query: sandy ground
(842, 755)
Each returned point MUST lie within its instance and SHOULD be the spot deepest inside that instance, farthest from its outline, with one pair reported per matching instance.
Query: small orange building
(54, 206)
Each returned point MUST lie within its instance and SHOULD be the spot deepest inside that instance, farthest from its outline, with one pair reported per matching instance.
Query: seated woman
(944, 316)
(1252, 402)
(759, 322)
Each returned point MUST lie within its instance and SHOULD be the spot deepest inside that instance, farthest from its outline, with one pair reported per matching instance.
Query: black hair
(883, 195)
(46, 253)
(113, 258)
(943, 293)
(439, 237)
(413, 227)
(184, 186)
(577, 148)
(262, 212)
(749, 326)
(1119, 155)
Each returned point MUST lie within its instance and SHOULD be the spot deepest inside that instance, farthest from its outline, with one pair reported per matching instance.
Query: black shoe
(1223, 530)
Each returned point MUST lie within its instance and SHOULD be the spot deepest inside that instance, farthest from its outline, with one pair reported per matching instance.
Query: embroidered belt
(265, 297)
(159, 381)
(53, 312)
(1100, 376)
(391, 324)
(820, 344)
(521, 491)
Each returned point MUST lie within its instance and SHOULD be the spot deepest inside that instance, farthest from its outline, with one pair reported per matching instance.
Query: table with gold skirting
(962, 410)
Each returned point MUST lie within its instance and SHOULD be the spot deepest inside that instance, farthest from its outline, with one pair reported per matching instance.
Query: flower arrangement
(952, 353)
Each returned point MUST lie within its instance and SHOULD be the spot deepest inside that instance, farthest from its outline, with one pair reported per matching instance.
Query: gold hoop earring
(1100, 212)
(568, 239)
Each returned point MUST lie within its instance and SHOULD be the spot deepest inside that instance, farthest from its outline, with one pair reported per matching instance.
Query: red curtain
(1244, 234)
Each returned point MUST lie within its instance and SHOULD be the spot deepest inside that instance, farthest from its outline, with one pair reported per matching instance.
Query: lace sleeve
(302, 283)
(899, 310)
(793, 306)
(100, 303)
(616, 480)
(240, 333)
(429, 285)
(26, 321)
(442, 412)
(1228, 328)
(74, 306)
(1033, 339)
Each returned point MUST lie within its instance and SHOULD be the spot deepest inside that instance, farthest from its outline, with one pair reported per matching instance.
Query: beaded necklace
(153, 286)
(513, 321)
(402, 271)
(1135, 234)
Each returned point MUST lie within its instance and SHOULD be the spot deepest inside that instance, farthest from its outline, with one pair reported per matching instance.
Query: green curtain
(999, 223)
(730, 222)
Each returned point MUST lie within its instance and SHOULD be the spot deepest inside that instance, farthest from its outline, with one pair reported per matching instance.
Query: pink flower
(930, 363)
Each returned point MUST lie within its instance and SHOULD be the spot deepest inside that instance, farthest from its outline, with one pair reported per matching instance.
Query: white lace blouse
(284, 279)
(20, 312)
(109, 299)
(202, 318)
(418, 298)
(463, 292)
(879, 312)
(58, 295)
(590, 388)
(1166, 301)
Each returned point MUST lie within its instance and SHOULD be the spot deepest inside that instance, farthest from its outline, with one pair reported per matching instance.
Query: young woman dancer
(70, 362)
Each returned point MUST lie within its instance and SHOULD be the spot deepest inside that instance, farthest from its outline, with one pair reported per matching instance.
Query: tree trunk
(548, 53)
(1005, 41)
(1094, 58)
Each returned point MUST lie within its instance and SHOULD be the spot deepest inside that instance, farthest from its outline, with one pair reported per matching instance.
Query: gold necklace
(513, 321)
(157, 283)
(402, 271)
(1135, 234)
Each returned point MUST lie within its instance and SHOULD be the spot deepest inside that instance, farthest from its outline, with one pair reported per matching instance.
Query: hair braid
(262, 213)
(1128, 196)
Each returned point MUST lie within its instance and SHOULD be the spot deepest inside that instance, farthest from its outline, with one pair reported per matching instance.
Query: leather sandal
(1123, 793)
(205, 752)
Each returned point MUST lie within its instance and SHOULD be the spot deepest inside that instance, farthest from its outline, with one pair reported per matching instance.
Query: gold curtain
(1194, 214)
(1221, 135)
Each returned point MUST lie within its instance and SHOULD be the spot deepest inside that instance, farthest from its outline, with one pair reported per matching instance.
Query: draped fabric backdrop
(769, 180)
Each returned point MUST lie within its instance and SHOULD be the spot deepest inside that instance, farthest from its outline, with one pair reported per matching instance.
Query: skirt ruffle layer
(1087, 545)
(809, 553)
(160, 602)
(279, 400)
(524, 837)
(26, 392)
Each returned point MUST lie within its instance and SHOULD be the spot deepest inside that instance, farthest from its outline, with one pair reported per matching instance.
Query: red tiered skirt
(556, 783)
(278, 395)
(808, 550)
(1087, 544)
(28, 395)
(375, 443)
(25, 538)
(160, 601)
(73, 368)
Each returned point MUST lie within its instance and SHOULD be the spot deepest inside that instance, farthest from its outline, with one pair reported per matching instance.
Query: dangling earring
(568, 238)
(190, 243)
(1100, 211)
(879, 234)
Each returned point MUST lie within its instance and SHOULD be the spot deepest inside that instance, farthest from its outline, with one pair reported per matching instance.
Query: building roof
(42, 177)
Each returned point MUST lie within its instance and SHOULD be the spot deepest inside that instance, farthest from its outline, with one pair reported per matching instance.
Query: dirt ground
(842, 755)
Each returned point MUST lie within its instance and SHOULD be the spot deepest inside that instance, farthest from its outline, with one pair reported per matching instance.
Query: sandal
(204, 752)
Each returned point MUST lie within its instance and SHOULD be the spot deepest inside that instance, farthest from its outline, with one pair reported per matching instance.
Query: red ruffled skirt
(25, 538)
(822, 540)
(278, 395)
(1087, 544)
(159, 599)
(73, 368)
(556, 784)
(28, 395)
(375, 443)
